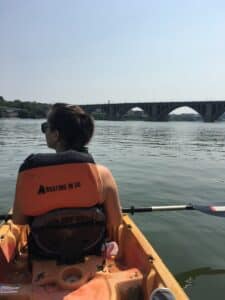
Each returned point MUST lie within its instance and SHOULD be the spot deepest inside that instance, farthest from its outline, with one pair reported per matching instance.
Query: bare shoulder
(106, 175)
(104, 171)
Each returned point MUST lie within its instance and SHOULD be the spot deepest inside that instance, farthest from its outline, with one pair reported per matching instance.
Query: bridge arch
(184, 113)
(99, 113)
(128, 109)
(135, 113)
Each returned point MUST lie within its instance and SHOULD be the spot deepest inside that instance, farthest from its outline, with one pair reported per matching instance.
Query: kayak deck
(134, 273)
(52, 282)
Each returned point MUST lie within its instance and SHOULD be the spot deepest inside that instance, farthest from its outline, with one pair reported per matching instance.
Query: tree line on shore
(23, 109)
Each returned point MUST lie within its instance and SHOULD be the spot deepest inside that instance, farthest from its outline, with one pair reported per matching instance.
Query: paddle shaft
(5, 216)
(214, 210)
(133, 209)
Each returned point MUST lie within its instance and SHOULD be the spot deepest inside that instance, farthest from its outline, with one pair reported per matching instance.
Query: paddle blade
(215, 210)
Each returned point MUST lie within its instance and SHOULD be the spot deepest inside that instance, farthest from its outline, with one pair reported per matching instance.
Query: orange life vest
(58, 180)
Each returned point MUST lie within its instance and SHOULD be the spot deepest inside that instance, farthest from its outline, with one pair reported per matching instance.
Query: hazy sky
(92, 51)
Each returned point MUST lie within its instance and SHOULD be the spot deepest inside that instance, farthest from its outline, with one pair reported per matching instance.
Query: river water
(154, 164)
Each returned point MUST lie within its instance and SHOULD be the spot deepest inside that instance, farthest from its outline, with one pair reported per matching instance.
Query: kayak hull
(136, 272)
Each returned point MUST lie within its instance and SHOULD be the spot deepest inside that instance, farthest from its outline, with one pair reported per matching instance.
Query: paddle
(5, 217)
(215, 210)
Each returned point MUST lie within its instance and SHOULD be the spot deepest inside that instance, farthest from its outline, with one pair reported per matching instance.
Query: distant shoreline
(37, 110)
(22, 110)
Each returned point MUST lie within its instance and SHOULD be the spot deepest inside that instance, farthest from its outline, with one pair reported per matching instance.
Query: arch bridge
(210, 111)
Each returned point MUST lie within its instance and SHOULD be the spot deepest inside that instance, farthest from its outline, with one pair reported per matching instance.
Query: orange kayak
(135, 273)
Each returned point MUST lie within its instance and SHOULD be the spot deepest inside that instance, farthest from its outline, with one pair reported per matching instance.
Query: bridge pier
(208, 113)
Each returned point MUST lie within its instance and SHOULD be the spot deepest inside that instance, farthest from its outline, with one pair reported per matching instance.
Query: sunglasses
(44, 127)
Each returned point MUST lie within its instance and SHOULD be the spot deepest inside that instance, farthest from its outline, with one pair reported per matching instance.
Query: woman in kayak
(68, 178)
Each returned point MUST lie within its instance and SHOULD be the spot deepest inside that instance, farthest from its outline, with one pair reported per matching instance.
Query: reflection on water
(170, 139)
(186, 279)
